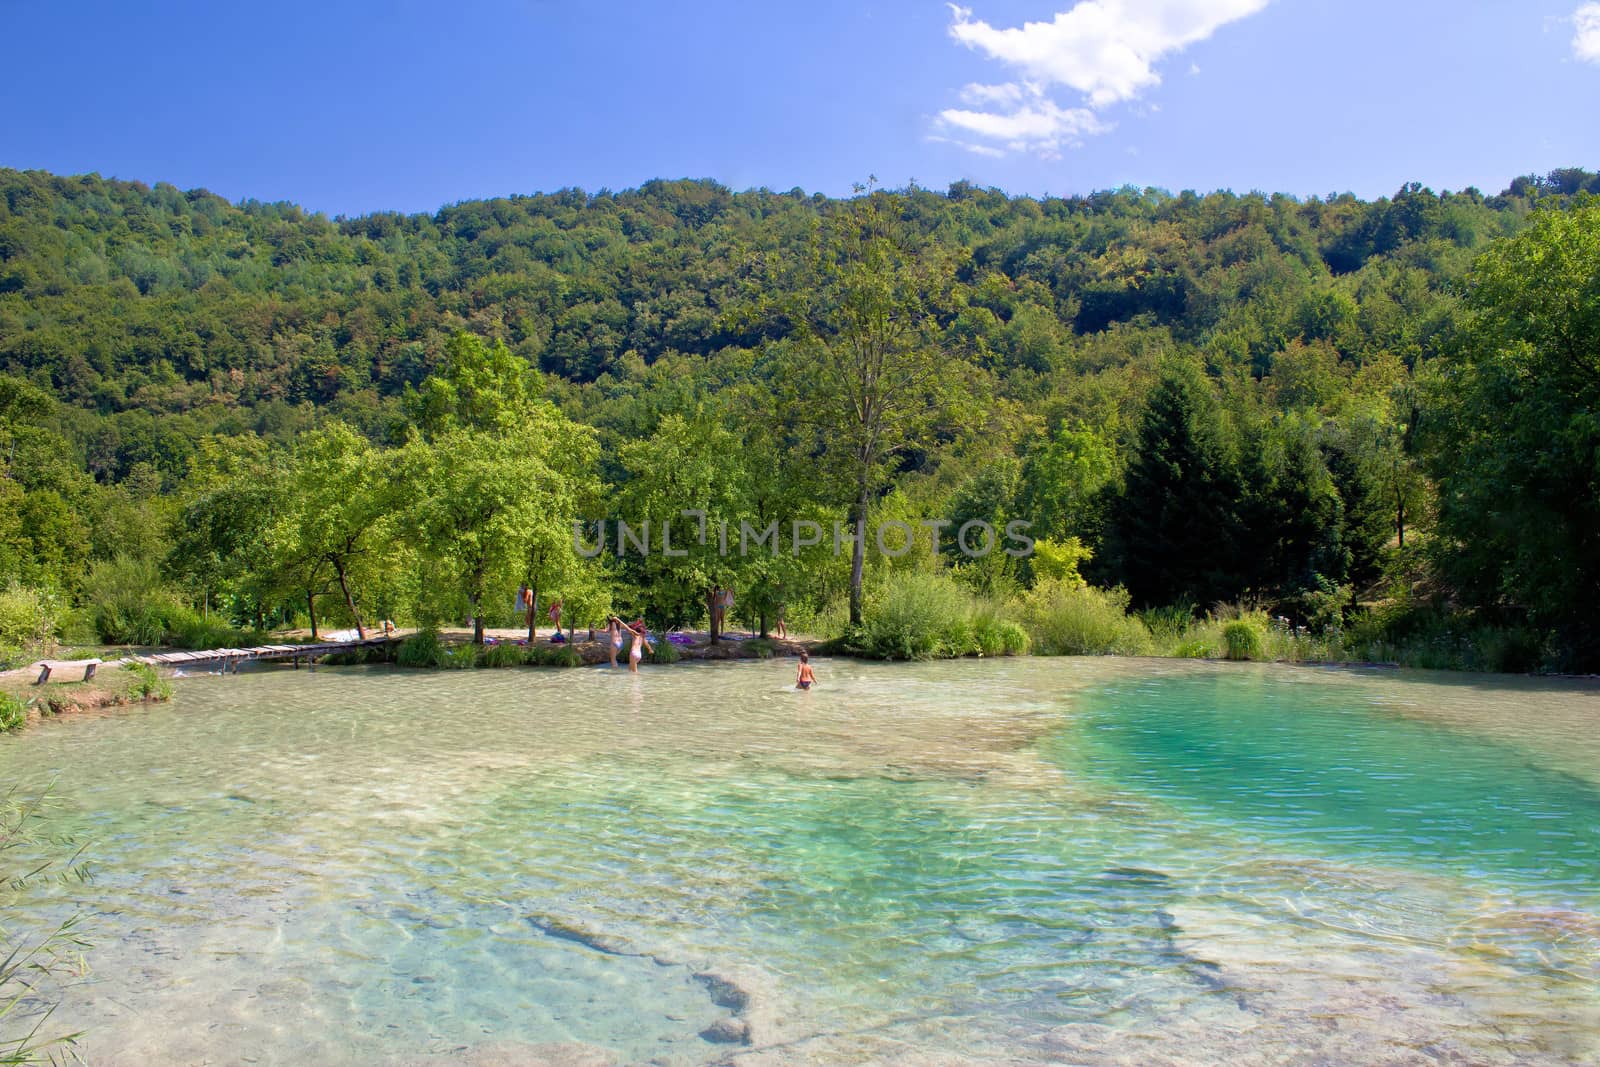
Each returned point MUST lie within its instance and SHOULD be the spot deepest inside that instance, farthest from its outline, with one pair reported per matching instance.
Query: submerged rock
(725, 992)
(728, 1031)
(568, 931)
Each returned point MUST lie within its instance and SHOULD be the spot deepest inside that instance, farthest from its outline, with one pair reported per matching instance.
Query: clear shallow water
(1072, 860)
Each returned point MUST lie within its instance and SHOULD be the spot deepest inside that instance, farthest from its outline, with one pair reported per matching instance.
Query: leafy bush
(1512, 650)
(760, 647)
(1064, 619)
(421, 649)
(918, 616)
(558, 656)
(77, 627)
(145, 683)
(129, 602)
(457, 657)
(28, 622)
(357, 657)
(1244, 640)
(1059, 560)
(1431, 637)
(188, 630)
(13, 713)
(503, 655)
(664, 652)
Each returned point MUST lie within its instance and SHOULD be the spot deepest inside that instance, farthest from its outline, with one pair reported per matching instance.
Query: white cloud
(1034, 123)
(1586, 33)
(1105, 49)
(976, 149)
(992, 95)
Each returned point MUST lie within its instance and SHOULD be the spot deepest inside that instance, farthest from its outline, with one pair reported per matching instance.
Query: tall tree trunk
(763, 619)
(714, 607)
(533, 610)
(350, 602)
(1400, 521)
(311, 610)
(476, 600)
(858, 555)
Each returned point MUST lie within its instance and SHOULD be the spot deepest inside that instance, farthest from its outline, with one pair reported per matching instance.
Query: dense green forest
(1371, 429)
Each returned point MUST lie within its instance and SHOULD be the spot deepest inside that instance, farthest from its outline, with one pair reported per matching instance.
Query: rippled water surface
(1032, 860)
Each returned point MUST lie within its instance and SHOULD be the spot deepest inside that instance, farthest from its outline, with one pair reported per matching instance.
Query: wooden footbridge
(231, 659)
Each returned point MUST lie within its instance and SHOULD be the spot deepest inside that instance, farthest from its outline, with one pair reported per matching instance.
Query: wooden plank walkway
(233, 658)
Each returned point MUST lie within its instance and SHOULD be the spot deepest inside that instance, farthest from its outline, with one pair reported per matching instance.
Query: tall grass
(144, 683)
(1066, 618)
(919, 616)
(503, 655)
(29, 958)
(1244, 639)
(1430, 637)
(13, 713)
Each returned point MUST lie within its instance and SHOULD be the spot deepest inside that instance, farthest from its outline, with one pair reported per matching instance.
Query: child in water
(805, 679)
(640, 644)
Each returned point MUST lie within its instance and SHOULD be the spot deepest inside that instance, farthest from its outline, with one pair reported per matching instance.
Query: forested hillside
(1205, 400)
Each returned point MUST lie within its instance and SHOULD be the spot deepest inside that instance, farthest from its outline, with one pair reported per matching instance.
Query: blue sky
(353, 107)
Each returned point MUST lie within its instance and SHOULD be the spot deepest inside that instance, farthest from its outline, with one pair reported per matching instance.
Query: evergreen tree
(1176, 525)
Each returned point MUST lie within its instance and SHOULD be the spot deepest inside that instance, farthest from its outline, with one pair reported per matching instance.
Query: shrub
(28, 621)
(77, 627)
(918, 616)
(187, 630)
(503, 655)
(1072, 620)
(557, 656)
(760, 647)
(457, 657)
(357, 657)
(1513, 650)
(129, 602)
(13, 713)
(146, 684)
(421, 649)
(664, 651)
(1244, 640)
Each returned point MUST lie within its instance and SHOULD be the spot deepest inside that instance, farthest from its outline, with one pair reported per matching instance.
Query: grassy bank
(21, 702)
(931, 616)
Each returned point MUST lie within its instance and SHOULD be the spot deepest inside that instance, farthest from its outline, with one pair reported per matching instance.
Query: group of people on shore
(639, 635)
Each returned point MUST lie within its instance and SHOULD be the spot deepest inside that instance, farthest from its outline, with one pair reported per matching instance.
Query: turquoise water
(1069, 860)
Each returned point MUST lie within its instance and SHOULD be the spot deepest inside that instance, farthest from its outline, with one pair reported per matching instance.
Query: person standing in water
(613, 638)
(640, 643)
(804, 679)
